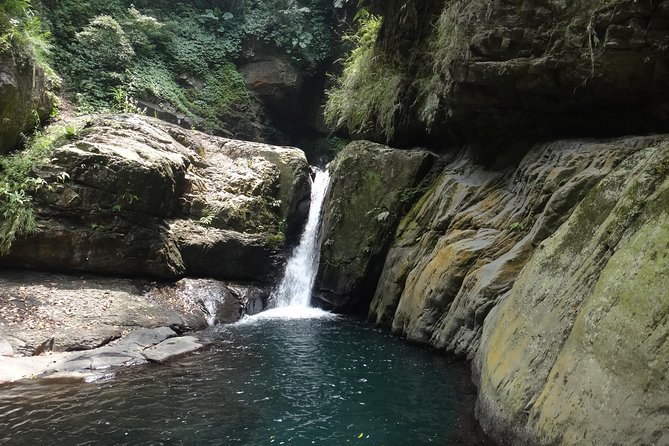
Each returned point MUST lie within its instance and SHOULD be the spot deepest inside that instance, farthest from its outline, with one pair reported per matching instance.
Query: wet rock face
(24, 98)
(458, 252)
(577, 353)
(371, 187)
(543, 68)
(132, 195)
(220, 302)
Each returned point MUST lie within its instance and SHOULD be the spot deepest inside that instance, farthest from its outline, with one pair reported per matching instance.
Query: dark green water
(324, 381)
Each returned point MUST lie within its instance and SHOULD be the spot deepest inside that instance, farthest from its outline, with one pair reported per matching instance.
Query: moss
(409, 219)
(275, 240)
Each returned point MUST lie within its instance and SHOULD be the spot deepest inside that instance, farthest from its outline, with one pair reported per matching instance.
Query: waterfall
(295, 287)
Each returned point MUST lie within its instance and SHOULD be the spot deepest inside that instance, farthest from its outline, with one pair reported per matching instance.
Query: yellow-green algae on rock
(579, 352)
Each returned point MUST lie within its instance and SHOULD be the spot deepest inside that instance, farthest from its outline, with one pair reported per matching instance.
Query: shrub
(17, 184)
(100, 58)
(21, 30)
(367, 95)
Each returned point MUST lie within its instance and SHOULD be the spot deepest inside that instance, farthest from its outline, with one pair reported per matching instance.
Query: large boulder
(371, 187)
(577, 353)
(25, 99)
(130, 195)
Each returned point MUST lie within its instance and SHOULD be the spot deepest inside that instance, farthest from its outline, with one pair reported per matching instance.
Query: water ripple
(271, 380)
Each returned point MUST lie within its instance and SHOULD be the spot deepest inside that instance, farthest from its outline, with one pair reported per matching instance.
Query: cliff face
(484, 69)
(549, 275)
(548, 271)
(577, 352)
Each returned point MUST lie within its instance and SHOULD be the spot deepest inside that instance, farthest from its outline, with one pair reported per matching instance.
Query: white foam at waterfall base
(288, 313)
(293, 294)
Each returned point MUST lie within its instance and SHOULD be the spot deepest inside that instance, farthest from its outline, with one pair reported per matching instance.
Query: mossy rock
(372, 187)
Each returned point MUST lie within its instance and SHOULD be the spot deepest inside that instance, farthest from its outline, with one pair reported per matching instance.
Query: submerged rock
(371, 187)
(131, 195)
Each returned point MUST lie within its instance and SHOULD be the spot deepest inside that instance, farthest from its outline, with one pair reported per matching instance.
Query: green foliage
(178, 52)
(21, 31)
(100, 58)
(367, 95)
(223, 88)
(17, 186)
(153, 80)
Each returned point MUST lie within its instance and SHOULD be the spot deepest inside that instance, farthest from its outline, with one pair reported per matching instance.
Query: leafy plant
(21, 29)
(367, 95)
(17, 186)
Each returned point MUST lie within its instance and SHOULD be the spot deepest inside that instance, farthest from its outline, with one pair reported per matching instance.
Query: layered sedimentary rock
(130, 195)
(550, 274)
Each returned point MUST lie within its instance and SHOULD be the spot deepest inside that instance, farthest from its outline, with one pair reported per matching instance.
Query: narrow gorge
(328, 219)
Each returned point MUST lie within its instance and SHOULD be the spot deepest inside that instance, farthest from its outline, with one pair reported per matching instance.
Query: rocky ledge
(52, 324)
(133, 196)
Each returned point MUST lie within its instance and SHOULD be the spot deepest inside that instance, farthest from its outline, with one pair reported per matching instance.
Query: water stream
(295, 287)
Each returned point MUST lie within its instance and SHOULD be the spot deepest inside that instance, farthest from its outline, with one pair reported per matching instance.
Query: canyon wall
(536, 246)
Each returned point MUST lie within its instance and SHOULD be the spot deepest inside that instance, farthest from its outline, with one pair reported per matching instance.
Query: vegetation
(18, 184)
(21, 30)
(367, 95)
(181, 53)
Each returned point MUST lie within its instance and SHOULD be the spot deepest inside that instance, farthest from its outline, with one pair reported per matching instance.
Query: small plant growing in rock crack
(517, 226)
(130, 198)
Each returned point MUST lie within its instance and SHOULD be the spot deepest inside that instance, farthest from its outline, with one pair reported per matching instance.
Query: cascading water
(295, 287)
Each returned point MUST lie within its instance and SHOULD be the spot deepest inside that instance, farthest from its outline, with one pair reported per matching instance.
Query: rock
(459, 250)
(577, 353)
(43, 312)
(70, 244)
(95, 360)
(221, 302)
(69, 340)
(370, 189)
(171, 348)
(492, 71)
(6, 348)
(241, 256)
(131, 195)
(138, 340)
(274, 80)
(25, 98)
